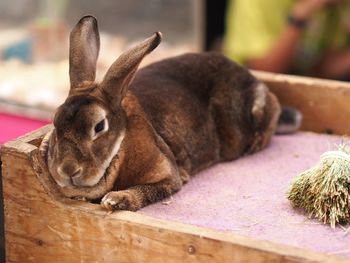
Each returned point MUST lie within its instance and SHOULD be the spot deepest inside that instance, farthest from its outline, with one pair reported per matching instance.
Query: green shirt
(253, 26)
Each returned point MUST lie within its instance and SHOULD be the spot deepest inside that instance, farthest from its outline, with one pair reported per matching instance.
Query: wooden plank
(41, 229)
(324, 103)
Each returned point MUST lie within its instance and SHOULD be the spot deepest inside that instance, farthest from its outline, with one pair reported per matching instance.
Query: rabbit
(136, 137)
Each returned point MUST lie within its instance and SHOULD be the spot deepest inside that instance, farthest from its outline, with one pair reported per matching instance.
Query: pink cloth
(248, 197)
(12, 126)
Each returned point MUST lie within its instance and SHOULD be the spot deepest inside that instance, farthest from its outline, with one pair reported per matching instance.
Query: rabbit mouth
(81, 181)
(91, 181)
(76, 180)
(104, 184)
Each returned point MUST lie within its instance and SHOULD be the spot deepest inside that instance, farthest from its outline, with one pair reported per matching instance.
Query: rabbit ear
(83, 51)
(122, 71)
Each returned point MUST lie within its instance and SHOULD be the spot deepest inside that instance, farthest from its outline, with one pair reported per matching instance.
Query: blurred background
(34, 45)
(34, 48)
(302, 37)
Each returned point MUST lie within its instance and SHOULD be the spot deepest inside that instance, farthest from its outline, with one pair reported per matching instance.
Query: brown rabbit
(135, 138)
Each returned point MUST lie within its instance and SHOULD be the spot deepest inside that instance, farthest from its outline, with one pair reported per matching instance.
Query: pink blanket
(248, 197)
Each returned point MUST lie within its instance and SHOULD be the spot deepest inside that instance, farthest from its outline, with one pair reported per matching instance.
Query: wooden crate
(40, 228)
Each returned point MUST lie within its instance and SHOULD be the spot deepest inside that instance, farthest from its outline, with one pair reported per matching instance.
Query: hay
(324, 190)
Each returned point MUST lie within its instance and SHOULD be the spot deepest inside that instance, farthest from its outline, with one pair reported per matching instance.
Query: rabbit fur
(137, 137)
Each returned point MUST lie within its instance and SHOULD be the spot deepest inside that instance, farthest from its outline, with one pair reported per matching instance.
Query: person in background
(306, 37)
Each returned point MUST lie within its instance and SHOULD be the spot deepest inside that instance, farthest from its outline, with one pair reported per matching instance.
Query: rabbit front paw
(121, 200)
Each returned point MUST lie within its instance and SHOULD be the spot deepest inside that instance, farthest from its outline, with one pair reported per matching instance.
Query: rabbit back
(198, 104)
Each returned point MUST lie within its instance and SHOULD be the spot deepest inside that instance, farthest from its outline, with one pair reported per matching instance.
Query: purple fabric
(248, 197)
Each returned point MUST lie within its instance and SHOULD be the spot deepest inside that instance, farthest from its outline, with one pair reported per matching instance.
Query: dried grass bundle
(324, 190)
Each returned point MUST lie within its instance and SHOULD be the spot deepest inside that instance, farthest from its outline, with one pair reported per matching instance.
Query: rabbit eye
(100, 126)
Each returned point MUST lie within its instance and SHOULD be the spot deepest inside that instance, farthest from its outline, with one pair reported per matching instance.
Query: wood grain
(41, 229)
(324, 103)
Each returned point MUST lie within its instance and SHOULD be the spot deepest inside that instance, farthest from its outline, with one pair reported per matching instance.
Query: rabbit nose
(69, 169)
